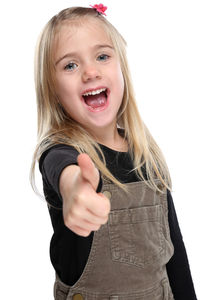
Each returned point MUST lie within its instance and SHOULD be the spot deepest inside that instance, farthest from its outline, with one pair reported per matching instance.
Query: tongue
(96, 101)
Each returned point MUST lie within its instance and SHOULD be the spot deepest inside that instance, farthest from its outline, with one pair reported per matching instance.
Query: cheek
(62, 89)
(65, 91)
(119, 80)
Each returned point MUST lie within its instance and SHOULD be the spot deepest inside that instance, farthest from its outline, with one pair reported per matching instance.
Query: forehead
(75, 32)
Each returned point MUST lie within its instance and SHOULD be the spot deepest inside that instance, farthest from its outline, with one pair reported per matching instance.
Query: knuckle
(80, 200)
(77, 199)
(80, 231)
(85, 233)
(105, 220)
(96, 227)
(89, 226)
(105, 206)
(68, 221)
(65, 219)
(74, 211)
(77, 212)
(106, 209)
(108, 204)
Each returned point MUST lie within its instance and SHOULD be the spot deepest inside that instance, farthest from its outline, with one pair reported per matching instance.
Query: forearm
(67, 179)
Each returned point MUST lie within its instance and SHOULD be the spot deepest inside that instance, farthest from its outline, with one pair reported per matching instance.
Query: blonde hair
(56, 126)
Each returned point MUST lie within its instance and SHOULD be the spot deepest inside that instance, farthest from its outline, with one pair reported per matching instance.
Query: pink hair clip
(100, 8)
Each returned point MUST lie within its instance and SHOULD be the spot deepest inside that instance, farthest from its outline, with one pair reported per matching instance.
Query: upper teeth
(95, 92)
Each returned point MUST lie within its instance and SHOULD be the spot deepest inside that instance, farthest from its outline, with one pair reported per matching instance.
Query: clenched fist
(84, 210)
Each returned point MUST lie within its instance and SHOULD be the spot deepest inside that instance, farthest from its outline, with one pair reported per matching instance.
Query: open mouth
(97, 99)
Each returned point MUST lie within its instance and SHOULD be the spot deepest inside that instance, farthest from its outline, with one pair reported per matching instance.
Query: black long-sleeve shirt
(69, 252)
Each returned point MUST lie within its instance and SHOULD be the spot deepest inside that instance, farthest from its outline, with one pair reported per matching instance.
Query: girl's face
(86, 62)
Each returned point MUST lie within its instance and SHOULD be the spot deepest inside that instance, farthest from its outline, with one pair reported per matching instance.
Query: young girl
(116, 235)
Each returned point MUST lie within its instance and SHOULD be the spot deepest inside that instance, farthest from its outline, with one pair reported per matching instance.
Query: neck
(111, 139)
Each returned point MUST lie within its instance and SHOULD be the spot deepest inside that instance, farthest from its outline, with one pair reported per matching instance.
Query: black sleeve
(51, 164)
(178, 268)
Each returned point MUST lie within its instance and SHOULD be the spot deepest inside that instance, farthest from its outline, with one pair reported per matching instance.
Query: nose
(90, 72)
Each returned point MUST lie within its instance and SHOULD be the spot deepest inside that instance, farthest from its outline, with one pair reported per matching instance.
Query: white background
(163, 48)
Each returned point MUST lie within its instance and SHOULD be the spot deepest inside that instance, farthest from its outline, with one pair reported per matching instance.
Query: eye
(70, 67)
(103, 57)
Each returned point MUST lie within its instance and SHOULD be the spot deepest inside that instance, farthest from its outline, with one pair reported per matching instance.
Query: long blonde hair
(56, 126)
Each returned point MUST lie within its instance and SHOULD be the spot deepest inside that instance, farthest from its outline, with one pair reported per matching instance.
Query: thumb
(88, 170)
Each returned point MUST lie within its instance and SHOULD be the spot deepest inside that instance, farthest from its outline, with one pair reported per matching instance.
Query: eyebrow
(75, 53)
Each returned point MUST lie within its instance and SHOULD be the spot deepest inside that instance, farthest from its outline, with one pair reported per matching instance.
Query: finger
(80, 231)
(88, 170)
(99, 206)
(83, 226)
(87, 216)
(93, 219)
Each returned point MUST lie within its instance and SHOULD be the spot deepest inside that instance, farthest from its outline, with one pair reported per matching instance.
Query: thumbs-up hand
(84, 210)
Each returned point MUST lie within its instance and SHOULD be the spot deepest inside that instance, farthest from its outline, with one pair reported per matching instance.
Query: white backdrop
(163, 49)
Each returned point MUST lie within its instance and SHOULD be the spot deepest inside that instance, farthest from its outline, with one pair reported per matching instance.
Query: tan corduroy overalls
(128, 256)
